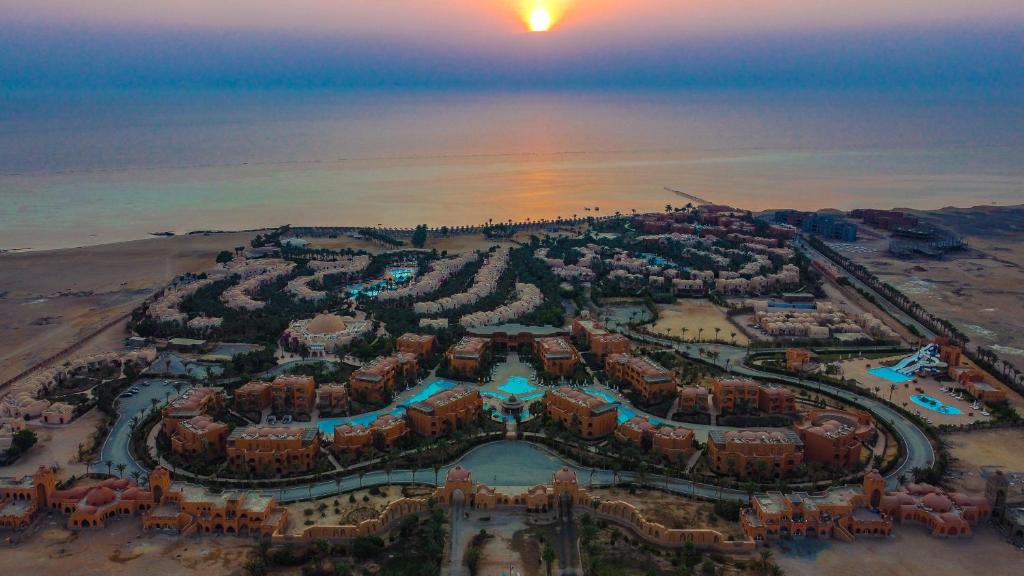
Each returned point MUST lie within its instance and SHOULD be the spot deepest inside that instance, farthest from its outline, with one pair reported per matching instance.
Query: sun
(540, 19)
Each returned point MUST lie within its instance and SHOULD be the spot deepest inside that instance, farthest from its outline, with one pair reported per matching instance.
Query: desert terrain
(972, 454)
(122, 548)
(694, 314)
(52, 299)
(980, 289)
(909, 552)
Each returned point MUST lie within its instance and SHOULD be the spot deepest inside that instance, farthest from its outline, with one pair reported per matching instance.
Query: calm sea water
(93, 168)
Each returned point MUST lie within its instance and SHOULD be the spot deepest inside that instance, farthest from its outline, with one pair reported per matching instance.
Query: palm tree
(765, 561)
(437, 468)
(109, 464)
(120, 469)
(548, 556)
(361, 473)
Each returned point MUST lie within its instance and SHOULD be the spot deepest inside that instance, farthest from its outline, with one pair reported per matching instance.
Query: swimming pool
(934, 404)
(430, 390)
(517, 385)
(624, 413)
(890, 375)
(396, 276)
(327, 425)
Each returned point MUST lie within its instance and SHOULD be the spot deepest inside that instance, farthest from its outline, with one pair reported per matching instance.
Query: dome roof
(565, 475)
(326, 324)
(937, 502)
(134, 493)
(458, 474)
(100, 497)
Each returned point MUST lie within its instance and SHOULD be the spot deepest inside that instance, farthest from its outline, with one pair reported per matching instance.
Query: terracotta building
(600, 342)
(332, 398)
(844, 512)
(835, 438)
(557, 356)
(269, 451)
(189, 404)
(200, 436)
(586, 415)
(798, 359)
(293, 394)
(422, 345)
(673, 442)
(381, 434)
(467, 355)
(190, 509)
(693, 399)
(768, 453)
(378, 379)
(252, 397)
(776, 400)
(445, 411)
(651, 380)
(734, 394)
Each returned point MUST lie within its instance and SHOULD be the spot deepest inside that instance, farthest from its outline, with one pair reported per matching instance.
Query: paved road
(116, 446)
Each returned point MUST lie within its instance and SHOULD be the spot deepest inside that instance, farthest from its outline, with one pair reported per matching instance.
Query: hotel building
(332, 398)
(269, 451)
(557, 356)
(376, 380)
(734, 394)
(693, 399)
(835, 438)
(381, 434)
(252, 397)
(422, 345)
(293, 394)
(586, 415)
(445, 411)
(466, 356)
(191, 403)
(776, 400)
(600, 342)
(673, 442)
(199, 436)
(770, 453)
(652, 381)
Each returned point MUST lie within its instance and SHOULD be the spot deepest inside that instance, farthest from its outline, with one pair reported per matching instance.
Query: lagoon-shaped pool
(934, 404)
(327, 425)
(393, 278)
(624, 413)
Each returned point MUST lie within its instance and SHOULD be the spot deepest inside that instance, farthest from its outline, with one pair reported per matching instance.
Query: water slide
(926, 359)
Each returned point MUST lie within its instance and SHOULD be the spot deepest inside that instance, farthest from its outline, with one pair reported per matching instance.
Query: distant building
(381, 434)
(378, 379)
(332, 398)
(200, 436)
(422, 345)
(586, 415)
(770, 454)
(835, 438)
(467, 355)
(272, 451)
(675, 443)
(648, 378)
(191, 403)
(445, 411)
(557, 356)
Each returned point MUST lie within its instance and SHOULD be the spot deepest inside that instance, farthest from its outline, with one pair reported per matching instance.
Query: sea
(85, 168)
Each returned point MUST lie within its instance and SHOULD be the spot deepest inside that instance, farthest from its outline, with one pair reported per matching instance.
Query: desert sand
(694, 315)
(52, 299)
(970, 451)
(910, 552)
(122, 548)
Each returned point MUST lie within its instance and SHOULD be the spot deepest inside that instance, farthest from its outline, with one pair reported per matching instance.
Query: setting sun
(540, 19)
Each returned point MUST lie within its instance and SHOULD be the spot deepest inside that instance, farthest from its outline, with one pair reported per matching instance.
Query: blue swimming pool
(430, 390)
(327, 425)
(517, 385)
(890, 375)
(624, 413)
(394, 276)
(934, 404)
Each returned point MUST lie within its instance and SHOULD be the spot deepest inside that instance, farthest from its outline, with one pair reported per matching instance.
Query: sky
(917, 44)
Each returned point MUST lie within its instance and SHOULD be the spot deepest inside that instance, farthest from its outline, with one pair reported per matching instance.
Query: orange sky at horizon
(453, 19)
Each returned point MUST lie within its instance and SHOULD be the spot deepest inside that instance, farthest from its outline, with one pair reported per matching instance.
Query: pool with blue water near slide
(890, 375)
(934, 404)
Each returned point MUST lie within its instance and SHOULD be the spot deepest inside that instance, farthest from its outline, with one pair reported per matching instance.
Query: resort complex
(658, 385)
